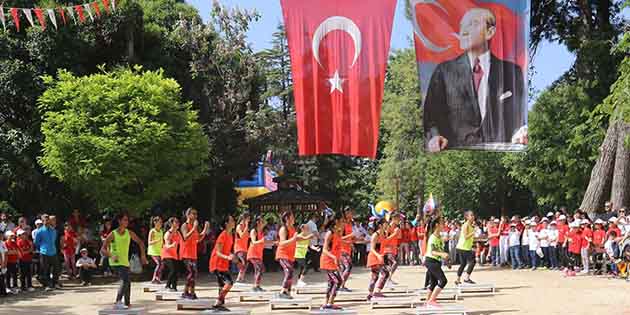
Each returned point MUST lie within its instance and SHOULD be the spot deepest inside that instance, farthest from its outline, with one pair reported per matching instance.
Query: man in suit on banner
(475, 98)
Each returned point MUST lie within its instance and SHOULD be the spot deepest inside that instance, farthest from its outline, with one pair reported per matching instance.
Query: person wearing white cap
(26, 260)
(552, 234)
(493, 240)
(534, 244)
(12, 261)
(86, 266)
(612, 226)
(575, 240)
(587, 234)
(543, 238)
(525, 245)
(514, 241)
(563, 230)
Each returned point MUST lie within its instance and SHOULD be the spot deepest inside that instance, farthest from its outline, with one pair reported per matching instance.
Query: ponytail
(285, 217)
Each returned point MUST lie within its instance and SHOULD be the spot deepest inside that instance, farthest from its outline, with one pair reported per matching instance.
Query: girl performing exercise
(389, 246)
(220, 263)
(255, 251)
(156, 240)
(188, 250)
(375, 261)
(329, 260)
(346, 248)
(285, 254)
(241, 244)
(170, 257)
(116, 247)
(465, 253)
(433, 261)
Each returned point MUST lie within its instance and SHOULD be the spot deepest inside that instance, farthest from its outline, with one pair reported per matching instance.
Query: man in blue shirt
(46, 242)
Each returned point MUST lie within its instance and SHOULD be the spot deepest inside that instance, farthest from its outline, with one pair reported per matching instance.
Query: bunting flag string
(94, 10)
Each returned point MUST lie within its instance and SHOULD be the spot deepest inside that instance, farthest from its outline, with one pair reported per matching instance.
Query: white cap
(513, 225)
(550, 214)
(496, 221)
(38, 221)
(573, 225)
(613, 219)
(532, 223)
(545, 219)
(553, 222)
(20, 232)
(562, 217)
(528, 222)
(585, 221)
(599, 221)
(8, 233)
(577, 222)
(514, 218)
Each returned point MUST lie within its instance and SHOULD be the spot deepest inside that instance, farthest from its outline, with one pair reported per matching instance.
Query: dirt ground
(519, 292)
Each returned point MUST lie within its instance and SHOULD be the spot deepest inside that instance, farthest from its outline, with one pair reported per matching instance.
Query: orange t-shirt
(241, 242)
(598, 237)
(171, 252)
(346, 246)
(255, 251)
(413, 234)
(372, 260)
(216, 262)
(327, 263)
(390, 246)
(287, 251)
(188, 247)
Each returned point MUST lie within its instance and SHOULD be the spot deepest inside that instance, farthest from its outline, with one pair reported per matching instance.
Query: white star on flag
(336, 82)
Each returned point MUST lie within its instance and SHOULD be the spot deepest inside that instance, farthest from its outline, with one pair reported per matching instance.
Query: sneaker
(336, 307)
(120, 306)
(378, 295)
(285, 296)
(193, 296)
(457, 282)
(344, 290)
(47, 289)
(83, 283)
(185, 296)
(58, 286)
(300, 284)
(31, 289)
(325, 307)
(369, 297)
(469, 281)
(433, 304)
(220, 308)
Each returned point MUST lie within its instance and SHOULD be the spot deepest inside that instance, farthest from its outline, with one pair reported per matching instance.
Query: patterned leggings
(191, 268)
(159, 266)
(390, 264)
(287, 268)
(346, 266)
(334, 282)
(241, 263)
(376, 270)
(258, 270)
(224, 279)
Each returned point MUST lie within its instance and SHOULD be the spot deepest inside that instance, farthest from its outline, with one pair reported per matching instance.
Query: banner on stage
(472, 63)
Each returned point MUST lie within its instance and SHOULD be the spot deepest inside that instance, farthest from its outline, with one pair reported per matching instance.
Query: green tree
(401, 169)
(125, 138)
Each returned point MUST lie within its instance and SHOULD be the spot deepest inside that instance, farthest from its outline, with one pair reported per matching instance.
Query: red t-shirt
(69, 243)
(520, 227)
(598, 237)
(406, 238)
(420, 232)
(563, 229)
(12, 245)
(216, 262)
(575, 242)
(494, 240)
(26, 250)
(539, 227)
(413, 234)
(614, 228)
(505, 229)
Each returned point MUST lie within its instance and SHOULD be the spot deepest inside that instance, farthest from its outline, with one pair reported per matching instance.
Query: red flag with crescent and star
(339, 52)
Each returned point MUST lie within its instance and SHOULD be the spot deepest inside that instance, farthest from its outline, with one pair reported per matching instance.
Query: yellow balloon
(384, 207)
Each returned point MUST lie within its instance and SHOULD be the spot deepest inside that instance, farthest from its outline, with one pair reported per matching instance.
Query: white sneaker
(31, 289)
(120, 306)
(301, 284)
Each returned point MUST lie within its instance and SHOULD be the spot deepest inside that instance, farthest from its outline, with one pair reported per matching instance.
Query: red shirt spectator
(69, 242)
(26, 249)
(413, 234)
(598, 237)
(563, 230)
(13, 251)
(613, 227)
(575, 242)
(494, 240)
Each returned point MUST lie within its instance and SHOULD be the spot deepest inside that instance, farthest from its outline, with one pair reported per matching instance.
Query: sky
(551, 61)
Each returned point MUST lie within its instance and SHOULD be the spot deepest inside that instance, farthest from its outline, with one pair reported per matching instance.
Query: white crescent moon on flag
(416, 26)
(340, 23)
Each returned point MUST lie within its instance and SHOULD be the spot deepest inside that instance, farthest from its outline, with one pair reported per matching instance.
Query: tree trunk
(621, 178)
(213, 198)
(601, 176)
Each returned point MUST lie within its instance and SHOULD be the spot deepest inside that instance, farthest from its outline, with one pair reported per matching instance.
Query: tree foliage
(125, 137)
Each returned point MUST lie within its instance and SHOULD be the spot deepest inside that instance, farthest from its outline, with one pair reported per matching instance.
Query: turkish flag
(339, 52)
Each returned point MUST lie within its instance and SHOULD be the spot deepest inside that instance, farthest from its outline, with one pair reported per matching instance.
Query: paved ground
(519, 292)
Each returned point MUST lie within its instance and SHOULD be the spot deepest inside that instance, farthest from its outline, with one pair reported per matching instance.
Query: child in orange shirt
(25, 246)
(12, 262)
(220, 263)
(241, 245)
(329, 260)
(375, 261)
(255, 251)
(285, 254)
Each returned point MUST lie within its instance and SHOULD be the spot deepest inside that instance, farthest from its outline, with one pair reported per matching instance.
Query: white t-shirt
(526, 237)
(543, 236)
(313, 228)
(553, 237)
(270, 236)
(514, 238)
(609, 248)
(84, 261)
(533, 240)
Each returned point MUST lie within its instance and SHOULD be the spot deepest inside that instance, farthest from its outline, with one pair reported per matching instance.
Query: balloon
(383, 208)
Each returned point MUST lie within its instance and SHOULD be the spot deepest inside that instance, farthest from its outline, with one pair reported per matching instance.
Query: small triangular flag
(40, 17)
(52, 17)
(106, 5)
(113, 5)
(71, 11)
(79, 10)
(89, 11)
(62, 12)
(29, 16)
(96, 8)
(16, 18)
(4, 25)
